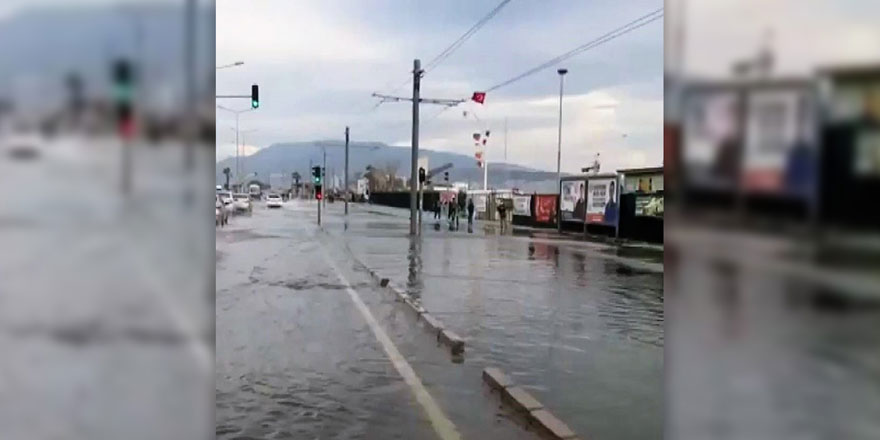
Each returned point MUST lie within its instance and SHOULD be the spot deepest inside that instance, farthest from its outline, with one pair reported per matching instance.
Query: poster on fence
(545, 208)
(572, 204)
(602, 205)
(521, 205)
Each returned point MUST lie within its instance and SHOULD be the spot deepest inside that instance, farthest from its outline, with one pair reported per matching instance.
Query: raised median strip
(538, 417)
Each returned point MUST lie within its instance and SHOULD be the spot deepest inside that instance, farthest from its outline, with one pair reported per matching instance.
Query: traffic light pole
(345, 192)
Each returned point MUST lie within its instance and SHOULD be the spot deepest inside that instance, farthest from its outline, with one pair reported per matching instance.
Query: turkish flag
(479, 97)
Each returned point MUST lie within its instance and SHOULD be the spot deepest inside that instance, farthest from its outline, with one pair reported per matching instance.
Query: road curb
(536, 414)
(452, 340)
(444, 336)
(432, 323)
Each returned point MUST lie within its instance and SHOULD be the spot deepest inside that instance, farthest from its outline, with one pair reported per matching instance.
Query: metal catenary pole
(414, 178)
(562, 73)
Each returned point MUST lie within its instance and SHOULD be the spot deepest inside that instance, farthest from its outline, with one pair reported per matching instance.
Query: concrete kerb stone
(496, 379)
(446, 337)
(455, 342)
(535, 413)
(521, 399)
(432, 323)
(550, 425)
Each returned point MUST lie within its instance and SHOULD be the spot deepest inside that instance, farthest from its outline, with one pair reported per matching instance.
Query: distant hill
(276, 163)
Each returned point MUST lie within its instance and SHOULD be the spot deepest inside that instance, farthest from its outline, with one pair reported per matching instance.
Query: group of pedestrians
(452, 212)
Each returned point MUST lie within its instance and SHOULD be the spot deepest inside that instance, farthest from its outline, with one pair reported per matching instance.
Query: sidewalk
(623, 247)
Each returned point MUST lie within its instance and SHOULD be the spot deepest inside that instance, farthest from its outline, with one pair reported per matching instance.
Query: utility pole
(416, 100)
(561, 73)
(345, 192)
(413, 177)
(189, 54)
(323, 177)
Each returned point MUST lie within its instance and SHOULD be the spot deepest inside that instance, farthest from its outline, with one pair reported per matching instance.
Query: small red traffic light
(319, 196)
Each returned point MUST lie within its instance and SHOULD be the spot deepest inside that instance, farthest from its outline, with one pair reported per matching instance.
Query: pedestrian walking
(502, 214)
(452, 214)
(470, 210)
(437, 210)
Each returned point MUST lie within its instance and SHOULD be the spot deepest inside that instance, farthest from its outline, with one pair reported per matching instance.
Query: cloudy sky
(806, 34)
(317, 63)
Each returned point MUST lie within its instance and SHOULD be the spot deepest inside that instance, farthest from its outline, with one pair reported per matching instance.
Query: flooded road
(767, 347)
(296, 359)
(106, 310)
(574, 323)
(567, 321)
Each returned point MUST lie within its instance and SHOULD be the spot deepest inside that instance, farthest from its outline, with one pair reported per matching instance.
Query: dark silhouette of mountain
(280, 160)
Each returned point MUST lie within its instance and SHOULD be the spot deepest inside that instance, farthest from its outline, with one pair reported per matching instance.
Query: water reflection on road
(578, 324)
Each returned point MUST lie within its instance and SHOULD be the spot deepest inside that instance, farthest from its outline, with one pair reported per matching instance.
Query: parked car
(242, 203)
(221, 216)
(273, 201)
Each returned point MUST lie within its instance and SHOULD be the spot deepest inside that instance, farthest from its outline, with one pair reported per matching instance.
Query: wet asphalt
(579, 325)
(106, 309)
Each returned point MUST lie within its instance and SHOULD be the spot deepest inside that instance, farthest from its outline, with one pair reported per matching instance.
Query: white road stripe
(444, 427)
(185, 325)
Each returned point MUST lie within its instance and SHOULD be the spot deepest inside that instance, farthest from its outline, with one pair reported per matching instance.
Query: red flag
(479, 97)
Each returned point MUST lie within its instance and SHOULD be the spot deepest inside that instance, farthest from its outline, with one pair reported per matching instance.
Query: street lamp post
(236, 113)
(561, 73)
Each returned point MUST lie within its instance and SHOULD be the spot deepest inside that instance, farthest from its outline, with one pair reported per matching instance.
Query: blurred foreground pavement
(106, 302)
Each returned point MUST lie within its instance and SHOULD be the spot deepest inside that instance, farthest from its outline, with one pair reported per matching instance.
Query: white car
(226, 198)
(273, 201)
(242, 202)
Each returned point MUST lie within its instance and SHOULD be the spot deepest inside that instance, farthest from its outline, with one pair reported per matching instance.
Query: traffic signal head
(123, 94)
(255, 96)
(422, 176)
(316, 175)
(446, 176)
(319, 192)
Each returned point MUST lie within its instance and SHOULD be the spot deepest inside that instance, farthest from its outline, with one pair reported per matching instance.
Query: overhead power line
(625, 29)
(462, 39)
(442, 56)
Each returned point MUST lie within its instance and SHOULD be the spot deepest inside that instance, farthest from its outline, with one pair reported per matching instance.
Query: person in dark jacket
(470, 209)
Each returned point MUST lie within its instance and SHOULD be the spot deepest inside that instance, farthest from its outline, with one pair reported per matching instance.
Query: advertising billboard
(573, 201)
(480, 201)
(779, 141)
(712, 139)
(521, 205)
(545, 208)
(602, 201)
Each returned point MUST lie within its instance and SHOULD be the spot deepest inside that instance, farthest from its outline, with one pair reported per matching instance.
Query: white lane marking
(444, 427)
(184, 324)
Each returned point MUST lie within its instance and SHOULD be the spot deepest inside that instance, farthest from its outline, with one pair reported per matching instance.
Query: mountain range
(275, 164)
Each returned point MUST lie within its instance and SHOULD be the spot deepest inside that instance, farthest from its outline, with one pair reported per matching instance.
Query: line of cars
(228, 203)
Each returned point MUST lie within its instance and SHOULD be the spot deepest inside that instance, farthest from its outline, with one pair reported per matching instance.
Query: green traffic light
(255, 104)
